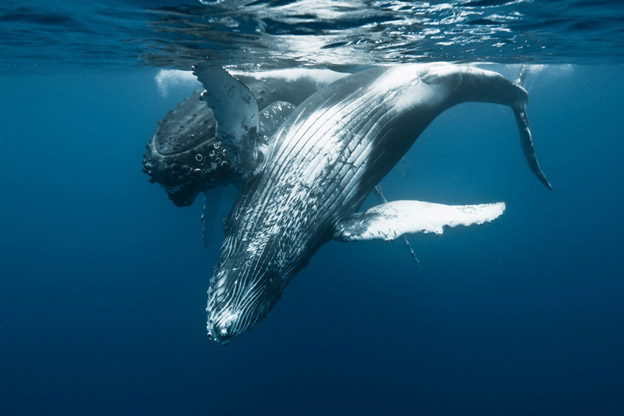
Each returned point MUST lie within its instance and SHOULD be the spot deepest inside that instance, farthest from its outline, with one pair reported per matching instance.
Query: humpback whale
(322, 162)
(186, 155)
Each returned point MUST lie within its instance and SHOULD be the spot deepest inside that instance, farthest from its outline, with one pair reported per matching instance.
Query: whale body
(185, 155)
(323, 161)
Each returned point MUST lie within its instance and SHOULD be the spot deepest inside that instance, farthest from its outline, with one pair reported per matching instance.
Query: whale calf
(323, 161)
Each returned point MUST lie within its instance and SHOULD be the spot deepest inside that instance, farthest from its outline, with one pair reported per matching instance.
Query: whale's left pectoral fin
(236, 111)
(393, 219)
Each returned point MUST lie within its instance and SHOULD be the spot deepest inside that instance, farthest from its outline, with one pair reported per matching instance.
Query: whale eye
(199, 157)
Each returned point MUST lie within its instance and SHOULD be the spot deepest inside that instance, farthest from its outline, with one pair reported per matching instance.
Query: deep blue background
(103, 281)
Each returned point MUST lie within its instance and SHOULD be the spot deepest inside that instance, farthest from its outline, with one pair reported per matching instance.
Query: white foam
(322, 76)
(169, 78)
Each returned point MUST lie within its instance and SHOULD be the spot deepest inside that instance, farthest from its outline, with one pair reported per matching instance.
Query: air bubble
(199, 157)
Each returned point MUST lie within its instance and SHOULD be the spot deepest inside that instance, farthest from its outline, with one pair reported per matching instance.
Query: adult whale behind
(324, 161)
(185, 155)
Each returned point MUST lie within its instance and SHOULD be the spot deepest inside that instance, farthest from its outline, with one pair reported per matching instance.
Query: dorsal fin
(236, 111)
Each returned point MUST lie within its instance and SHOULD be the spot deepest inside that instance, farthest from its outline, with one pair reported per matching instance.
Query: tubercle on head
(184, 175)
(221, 331)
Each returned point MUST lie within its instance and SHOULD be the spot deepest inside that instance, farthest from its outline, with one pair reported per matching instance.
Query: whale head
(184, 156)
(238, 299)
(253, 269)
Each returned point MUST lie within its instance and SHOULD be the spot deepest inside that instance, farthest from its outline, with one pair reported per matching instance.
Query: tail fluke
(479, 85)
(526, 139)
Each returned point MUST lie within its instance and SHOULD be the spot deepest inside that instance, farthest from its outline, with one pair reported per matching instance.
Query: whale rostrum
(320, 165)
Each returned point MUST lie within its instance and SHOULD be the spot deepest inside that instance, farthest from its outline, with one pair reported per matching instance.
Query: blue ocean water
(103, 281)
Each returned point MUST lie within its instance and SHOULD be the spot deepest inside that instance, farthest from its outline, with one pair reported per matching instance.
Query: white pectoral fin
(236, 111)
(393, 219)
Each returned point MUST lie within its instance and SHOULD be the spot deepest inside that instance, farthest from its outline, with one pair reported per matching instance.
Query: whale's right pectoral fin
(236, 111)
(393, 219)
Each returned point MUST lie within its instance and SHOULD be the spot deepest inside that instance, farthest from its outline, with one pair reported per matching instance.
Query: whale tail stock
(487, 86)
(452, 85)
(526, 139)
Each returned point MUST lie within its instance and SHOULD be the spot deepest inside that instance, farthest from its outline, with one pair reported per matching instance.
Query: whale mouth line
(188, 150)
